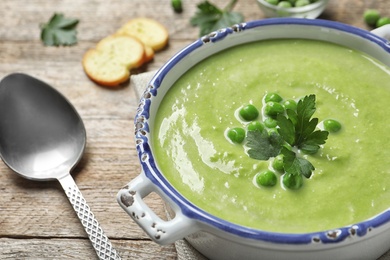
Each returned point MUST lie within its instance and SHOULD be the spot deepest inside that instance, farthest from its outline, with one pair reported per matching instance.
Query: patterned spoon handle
(100, 241)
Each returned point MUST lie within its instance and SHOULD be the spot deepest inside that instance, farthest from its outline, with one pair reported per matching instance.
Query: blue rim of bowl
(190, 210)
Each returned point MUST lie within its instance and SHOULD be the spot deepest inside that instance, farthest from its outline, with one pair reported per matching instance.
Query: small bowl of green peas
(293, 8)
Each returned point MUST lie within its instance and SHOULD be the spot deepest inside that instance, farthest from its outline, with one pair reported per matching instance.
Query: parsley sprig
(263, 145)
(59, 31)
(296, 131)
(210, 18)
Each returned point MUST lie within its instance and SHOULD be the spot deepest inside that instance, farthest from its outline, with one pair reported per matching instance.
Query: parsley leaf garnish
(59, 31)
(296, 165)
(286, 129)
(299, 128)
(296, 131)
(289, 134)
(262, 145)
(210, 18)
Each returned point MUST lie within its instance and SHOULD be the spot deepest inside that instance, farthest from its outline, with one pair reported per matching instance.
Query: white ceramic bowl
(217, 238)
(309, 11)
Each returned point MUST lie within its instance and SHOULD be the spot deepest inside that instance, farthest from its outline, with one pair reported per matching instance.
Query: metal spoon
(42, 138)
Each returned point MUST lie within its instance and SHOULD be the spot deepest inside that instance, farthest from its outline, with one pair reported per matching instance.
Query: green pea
(371, 17)
(272, 2)
(285, 4)
(290, 104)
(255, 126)
(383, 21)
(270, 122)
(332, 125)
(236, 135)
(249, 112)
(177, 6)
(301, 3)
(278, 164)
(266, 179)
(273, 108)
(292, 181)
(272, 97)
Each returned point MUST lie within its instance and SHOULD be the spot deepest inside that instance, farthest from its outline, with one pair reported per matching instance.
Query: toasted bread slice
(148, 31)
(109, 64)
(126, 49)
(102, 68)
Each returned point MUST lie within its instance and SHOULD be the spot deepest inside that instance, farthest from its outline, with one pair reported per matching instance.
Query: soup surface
(351, 180)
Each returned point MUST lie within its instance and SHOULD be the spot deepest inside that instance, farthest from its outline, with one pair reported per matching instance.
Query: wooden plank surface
(36, 220)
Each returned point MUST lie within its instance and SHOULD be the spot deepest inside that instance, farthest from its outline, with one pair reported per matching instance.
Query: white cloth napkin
(140, 82)
(184, 250)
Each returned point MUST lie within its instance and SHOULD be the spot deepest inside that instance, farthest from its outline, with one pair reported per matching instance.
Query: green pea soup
(351, 179)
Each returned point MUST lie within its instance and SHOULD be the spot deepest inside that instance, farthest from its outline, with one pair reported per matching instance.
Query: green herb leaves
(210, 18)
(296, 165)
(299, 128)
(292, 138)
(263, 145)
(296, 129)
(59, 31)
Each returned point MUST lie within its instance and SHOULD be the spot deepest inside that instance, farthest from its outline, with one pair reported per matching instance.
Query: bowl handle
(130, 198)
(383, 31)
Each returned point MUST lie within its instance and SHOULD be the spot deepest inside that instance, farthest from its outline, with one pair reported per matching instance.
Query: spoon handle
(100, 241)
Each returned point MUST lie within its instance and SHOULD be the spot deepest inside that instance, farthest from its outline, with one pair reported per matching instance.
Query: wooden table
(36, 219)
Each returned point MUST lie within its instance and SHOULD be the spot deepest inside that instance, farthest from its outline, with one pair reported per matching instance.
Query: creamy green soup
(351, 181)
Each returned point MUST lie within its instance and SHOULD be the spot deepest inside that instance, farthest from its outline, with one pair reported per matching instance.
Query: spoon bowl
(42, 137)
